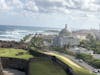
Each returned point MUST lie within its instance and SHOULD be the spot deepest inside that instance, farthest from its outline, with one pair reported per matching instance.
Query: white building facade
(65, 37)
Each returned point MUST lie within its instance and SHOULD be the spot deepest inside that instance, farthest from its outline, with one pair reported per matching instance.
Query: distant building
(81, 37)
(97, 34)
(82, 34)
(65, 37)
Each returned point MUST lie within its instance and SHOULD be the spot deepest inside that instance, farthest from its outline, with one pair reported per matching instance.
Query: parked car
(96, 70)
(80, 60)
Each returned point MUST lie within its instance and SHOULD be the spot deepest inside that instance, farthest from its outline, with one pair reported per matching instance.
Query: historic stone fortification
(23, 65)
(1, 69)
(15, 63)
(68, 69)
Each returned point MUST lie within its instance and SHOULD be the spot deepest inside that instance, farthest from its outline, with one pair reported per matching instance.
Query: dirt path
(12, 72)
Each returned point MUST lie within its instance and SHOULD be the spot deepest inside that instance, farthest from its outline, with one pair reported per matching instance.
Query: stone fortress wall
(67, 68)
(23, 65)
(1, 69)
(15, 63)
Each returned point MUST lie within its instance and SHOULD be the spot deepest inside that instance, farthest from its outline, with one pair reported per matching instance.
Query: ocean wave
(7, 39)
(16, 33)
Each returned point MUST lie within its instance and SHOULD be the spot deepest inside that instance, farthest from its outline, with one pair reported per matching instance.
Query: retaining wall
(68, 69)
(15, 63)
(1, 70)
(23, 65)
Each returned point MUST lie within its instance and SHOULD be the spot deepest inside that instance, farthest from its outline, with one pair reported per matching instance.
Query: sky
(77, 14)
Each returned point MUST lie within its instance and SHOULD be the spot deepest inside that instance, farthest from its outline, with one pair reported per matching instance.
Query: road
(82, 63)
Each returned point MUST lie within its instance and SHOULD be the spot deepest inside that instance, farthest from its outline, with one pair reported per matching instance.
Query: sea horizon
(16, 33)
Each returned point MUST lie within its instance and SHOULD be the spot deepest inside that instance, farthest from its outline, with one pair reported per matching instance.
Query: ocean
(16, 33)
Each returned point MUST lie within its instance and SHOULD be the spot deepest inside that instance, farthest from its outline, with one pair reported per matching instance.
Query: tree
(37, 42)
(90, 37)
(65, 47)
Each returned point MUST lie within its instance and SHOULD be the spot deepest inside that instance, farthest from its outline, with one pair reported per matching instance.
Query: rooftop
(65, 32)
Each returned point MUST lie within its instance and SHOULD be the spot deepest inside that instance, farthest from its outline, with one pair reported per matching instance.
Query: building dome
(65, 32)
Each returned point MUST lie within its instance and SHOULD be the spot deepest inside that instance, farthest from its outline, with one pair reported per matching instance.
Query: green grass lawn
(14, 53)
(79, 70)
(45, 67)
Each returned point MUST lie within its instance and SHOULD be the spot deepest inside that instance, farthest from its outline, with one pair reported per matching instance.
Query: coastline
(16, 33)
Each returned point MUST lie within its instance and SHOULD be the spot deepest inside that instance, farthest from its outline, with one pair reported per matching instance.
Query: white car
(80, 60)
(96, 70)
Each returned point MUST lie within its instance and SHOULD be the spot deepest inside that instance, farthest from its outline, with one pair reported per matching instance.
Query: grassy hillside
(14, 53)
(45, 67)
(79, 70)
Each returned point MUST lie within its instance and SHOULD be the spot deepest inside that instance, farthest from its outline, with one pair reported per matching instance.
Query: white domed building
(65, 37)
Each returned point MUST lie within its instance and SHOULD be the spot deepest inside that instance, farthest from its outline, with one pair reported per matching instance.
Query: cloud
(31, 6)
(3, 5)
(50, 6)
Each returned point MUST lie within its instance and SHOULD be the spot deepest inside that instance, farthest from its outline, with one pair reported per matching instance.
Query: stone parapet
(1, 68)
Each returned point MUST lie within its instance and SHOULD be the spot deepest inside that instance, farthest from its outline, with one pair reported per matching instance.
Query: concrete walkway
(12, 72)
